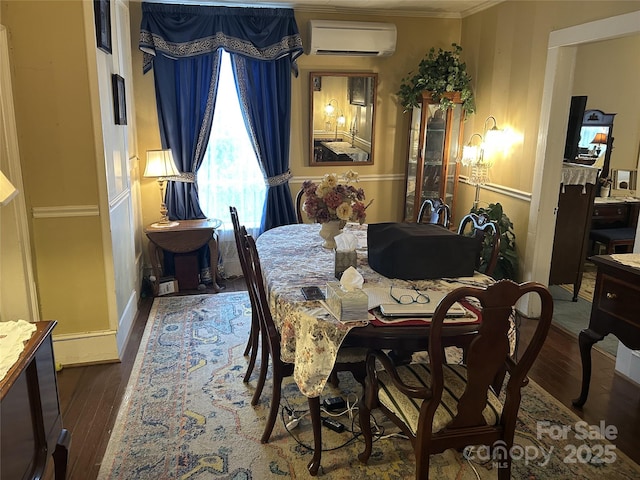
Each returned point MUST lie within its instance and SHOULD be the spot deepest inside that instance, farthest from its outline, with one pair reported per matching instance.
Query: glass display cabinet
(435, 138)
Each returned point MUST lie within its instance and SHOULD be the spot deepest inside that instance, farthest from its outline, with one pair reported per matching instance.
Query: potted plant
(507, 266)
(439, 72)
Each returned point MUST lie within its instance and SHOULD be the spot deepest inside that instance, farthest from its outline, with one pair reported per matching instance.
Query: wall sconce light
(160, 165)
(332, 111)
(599, 139)
(7, 190)
(479, 155)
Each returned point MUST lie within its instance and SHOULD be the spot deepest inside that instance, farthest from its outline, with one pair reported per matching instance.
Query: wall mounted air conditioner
(373, 39)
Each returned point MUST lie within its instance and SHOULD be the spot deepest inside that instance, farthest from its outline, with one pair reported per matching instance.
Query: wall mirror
(596, 140)
(342, 118)
(624, 179)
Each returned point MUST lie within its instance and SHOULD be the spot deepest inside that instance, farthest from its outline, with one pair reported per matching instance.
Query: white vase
(329, 230)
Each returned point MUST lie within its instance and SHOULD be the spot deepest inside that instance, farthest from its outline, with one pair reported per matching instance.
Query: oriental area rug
(187, 415)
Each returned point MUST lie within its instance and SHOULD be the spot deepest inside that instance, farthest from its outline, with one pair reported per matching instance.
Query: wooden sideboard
(30, 412)
(610, 213)
(615, 307)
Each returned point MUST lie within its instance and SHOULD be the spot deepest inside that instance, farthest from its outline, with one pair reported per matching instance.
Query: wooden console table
(30, 412)
(185, 237)
(616, 303)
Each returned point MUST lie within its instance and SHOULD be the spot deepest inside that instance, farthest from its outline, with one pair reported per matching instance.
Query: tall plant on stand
(507, 266)
(439, 73)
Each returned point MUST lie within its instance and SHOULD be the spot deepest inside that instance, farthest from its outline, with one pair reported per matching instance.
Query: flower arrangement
(330, 200)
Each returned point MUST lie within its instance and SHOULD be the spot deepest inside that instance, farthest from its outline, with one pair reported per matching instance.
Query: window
(230, 173)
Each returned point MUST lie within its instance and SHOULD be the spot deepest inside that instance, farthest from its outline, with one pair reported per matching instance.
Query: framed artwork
(317, 83)
(102, 13)
(119, 99)
(360, 91)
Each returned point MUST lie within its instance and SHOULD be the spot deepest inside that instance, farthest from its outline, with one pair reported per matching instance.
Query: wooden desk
(616, 303)
(30, 412)
(185, 237)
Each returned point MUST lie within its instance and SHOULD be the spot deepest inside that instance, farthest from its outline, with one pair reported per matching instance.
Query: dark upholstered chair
(486, 232)
(350, 359)
(440, 406)
(254, 332)
(434, 210)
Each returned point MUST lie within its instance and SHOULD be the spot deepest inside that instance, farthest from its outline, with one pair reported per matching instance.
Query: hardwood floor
(90, 395)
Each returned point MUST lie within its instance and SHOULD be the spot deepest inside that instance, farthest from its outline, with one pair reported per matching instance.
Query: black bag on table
(414, 251)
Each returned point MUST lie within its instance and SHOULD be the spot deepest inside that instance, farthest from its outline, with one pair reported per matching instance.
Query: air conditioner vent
(367, 39)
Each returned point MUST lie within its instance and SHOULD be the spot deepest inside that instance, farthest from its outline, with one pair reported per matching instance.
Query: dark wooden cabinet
(573, 222)
(435, 137)
(30, 412)
(615, 307)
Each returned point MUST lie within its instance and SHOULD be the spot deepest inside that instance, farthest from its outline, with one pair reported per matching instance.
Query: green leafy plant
(439, 72)
(507, 266)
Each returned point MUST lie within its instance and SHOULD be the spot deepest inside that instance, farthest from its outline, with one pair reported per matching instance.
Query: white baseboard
(93, 347)
(126, 322)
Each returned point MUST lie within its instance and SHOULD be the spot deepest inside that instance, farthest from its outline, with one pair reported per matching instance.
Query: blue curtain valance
(178, 31)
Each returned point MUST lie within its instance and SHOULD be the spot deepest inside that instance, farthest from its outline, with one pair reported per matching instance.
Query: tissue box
(347, 306)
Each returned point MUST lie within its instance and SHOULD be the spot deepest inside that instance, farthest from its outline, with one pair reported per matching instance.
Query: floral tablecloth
(291, 257)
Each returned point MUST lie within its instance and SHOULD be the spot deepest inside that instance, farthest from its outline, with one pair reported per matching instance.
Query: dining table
(292, 257)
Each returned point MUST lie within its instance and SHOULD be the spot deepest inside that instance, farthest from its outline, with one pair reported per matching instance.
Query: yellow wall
(58, 155)
(505, 51)
(609, 74)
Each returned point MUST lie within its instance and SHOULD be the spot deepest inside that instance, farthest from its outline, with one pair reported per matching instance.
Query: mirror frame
(597, 118)
(352, 98)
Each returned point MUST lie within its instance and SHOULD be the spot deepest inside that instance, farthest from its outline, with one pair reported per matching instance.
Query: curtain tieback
(279, 179)
(185, 177)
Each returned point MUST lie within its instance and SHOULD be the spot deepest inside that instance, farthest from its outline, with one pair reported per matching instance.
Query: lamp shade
(7, 190)
(160, 164)
(600, 139)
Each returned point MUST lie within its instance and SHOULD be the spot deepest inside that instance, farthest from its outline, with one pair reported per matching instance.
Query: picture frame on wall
(102, 13)
(359, 89)
(119, 100)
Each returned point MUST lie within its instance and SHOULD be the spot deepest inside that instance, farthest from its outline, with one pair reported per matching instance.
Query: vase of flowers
(333, 204)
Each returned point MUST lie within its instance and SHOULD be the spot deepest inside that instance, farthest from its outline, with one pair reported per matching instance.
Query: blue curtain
(185, 97)
(264, 89)
(181, 43)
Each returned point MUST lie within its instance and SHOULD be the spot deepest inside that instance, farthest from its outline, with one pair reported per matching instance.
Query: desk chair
(254, 331)
(440, 406)
(350, 359)
(434, 210)
(487, 234)
(614, 237)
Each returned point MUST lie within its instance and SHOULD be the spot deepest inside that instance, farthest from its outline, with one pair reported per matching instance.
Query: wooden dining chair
(487, 233)
(254, 331)
(298, 204)
(350, 359)
(434, 210)
(441, 406)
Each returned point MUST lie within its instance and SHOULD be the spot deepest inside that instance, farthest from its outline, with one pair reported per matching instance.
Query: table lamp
(598, 140)
(160, 165)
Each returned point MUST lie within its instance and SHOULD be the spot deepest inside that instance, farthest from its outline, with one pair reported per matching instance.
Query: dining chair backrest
(239, 232)
(487, 233)
(441, 406)
(298, 204)
(434, 210)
